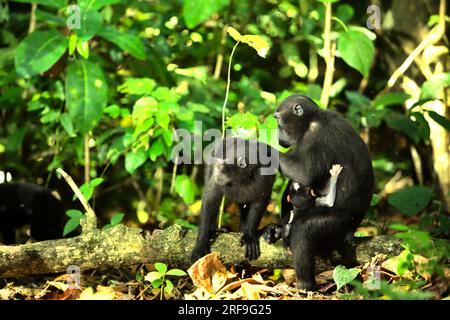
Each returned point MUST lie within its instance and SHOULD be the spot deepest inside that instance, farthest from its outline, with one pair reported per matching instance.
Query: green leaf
(134, 160)
(71, 225)
(343, 276)
(157, 283)
(117, 218)
(443, 121)
(66, 122)
(96, 182)
(143, 109)
(153, 276)
(91, 22)
(86, 92)
(161, 267)
(186, 188)
(169, 286)
(125, 41)
(156, 149)
(73, 40)
(39, 51)
(398, 227)
(403, 124)
(75, 214)
(356, 50)
(197, 11)
(176, 272)
(59, 4)
(95, 4)
(375, 200)
(431, 89)
(411, 200)
(87, 191)
(391, 98)
(137, 86)
(83, 49)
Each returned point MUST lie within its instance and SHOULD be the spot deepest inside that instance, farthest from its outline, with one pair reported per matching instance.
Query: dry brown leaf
(250, 292)
(324, 277)
(209, 273)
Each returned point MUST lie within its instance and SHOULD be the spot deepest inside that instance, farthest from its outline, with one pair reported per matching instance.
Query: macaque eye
(241, 162)
(298, 110)
(296, 186)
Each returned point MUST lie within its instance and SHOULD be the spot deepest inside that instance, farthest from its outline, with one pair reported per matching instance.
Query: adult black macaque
(319, 139)
(27, 203)
(242, 171)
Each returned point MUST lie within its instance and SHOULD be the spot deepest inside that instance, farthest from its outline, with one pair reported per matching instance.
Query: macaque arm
(330, 193)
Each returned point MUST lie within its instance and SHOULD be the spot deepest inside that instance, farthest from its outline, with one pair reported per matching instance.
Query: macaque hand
(336, 170)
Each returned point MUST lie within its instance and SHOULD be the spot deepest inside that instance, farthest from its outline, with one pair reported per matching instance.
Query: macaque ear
(297, 109)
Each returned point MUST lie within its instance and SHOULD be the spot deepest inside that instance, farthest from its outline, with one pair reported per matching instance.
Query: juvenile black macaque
(243, 171)
(27, 203)
(302, 198)
(320, 138)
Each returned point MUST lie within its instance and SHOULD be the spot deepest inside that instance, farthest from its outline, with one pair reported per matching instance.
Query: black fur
(319, 139)
(244, 185)
(26, 203)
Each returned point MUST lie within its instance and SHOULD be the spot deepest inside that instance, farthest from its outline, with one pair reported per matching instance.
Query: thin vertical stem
(228, 89)
(87, 159)
(328, 52)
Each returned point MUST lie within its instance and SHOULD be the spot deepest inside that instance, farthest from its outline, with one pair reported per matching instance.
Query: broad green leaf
(15, 140)
(197, 11)
(344, 12)
(125, 41)
(91, 22)
(96, 182)
(87, 190)
(169, 286)
(156, 149)
(138, 86)
(153, 276)
(443, 121)
(398, 227)
(143, 109)
(328, 1)
(59, 4)
(343, 276)
(117, 218)
(389, 99)
(356, 50)
(86, 92)
(403, 124)
(73, 40)
(83, 49)
(71, 225)
(75, 214)
(134, 160)
(176, 272)
(95, 4)
(161, 267)
(48, 17)
(66, 122)
(411, 200)
(186, 188)
(431, 89)
(39, 51)
(375, 200)
(157, 283)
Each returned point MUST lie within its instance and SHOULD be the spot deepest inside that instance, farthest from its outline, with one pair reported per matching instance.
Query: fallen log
(123, 246)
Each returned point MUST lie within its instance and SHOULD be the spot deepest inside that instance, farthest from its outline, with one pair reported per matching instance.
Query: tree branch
(121, 246)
